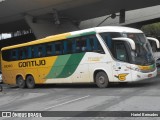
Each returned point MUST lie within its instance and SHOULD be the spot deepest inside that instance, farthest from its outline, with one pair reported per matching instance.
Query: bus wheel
(30, 82)
(21, 82)
(101, 80)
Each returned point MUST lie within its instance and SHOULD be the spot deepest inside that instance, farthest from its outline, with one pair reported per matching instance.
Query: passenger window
(67, 45)
(33, 52)
(94, 45)
(74, 48)
(14, 55)
(107, 37)
(41, 51)
(87, 44)
(121, 52)
(7, 55)
(83, 44)
(23, 53)
(20, 54)
(58, 48)
(78, 45)
(49, 49)
(29, 49)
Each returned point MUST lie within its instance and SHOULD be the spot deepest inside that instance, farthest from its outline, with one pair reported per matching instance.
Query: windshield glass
(143, 53)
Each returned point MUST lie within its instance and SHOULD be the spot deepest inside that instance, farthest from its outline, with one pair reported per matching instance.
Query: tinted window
(58, 48)
(23, 53)
(94, 45)
(50, 49)
(41, 51)
(107, 37)
(68, 46)
(14, 54)
(88, 43)
(120, 52)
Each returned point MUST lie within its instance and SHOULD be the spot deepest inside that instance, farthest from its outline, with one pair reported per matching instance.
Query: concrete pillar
(43, 28)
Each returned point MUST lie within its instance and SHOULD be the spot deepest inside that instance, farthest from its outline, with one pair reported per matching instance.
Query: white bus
(97, 55)
(155, 44)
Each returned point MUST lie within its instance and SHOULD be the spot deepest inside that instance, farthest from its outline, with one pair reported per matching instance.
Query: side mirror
(155, 40)
(131, 42)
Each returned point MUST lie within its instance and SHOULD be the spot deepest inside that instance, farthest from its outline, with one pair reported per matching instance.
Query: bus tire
(30, 82)
(101, 79)
(20, 82)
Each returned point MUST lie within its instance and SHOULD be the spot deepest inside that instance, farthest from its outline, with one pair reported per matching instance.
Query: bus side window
(23, 53)
(29, 49)
(40, 50)
(95, 45)
(67, 46)
(7, 55)
(19, 54)
(81, 44)
(14, 54)
(107, 37)
(121, 52)
(33, 52)
(49, 49)
(26, 53)
(73, 45)
(58, 48)
(78, 45)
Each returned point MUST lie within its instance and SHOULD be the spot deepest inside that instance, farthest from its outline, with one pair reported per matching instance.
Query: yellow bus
(97, 55)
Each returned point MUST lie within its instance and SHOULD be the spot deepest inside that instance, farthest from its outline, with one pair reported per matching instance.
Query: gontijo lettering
(32, 63)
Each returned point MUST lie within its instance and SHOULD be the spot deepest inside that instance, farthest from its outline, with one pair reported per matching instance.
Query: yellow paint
(122, 77)
(43, 40)
(144, 67)
(94, 58)
(12, 69)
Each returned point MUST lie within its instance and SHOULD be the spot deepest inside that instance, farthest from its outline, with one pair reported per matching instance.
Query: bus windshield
(143, 53)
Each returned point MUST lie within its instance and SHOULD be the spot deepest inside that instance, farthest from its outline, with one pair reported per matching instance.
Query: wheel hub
(101, 79)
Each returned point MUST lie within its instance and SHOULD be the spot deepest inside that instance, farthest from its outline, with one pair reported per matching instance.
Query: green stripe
(65, 66)
(82, 34)
(73, 36)
(58, 66)
(88, 33)
(71, 65)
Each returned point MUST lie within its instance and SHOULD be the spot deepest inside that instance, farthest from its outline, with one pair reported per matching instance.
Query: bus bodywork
(97, 55)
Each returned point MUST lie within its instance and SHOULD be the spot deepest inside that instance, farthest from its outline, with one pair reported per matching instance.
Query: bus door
(121, 67)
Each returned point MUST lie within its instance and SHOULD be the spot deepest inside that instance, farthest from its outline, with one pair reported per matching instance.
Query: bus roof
(76, 34)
